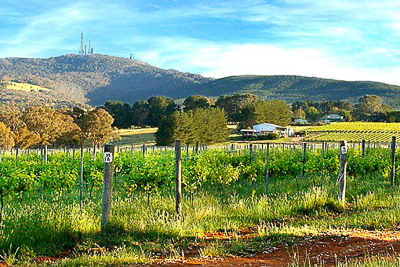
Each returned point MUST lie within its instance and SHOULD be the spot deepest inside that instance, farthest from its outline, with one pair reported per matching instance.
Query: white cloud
(221, 60)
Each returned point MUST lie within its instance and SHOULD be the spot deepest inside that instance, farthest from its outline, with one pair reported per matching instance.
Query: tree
(196, 101)
(312, 114)
(48, 124)
(140, 113)
(272, 111)
(207, 126)
(96, 126)
(233, 105)
(159, 108)
(6, 137)
(368, 105)
(11, 117)
(299, 114)
(121, 113)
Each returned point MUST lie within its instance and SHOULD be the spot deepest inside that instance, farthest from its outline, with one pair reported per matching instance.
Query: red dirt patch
(326, 249)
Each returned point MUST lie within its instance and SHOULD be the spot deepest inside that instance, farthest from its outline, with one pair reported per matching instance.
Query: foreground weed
(9, 257)
(214, 249)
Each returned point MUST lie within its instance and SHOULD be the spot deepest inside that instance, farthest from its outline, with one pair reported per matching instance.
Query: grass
(137, 137)
(142, 233)
(26, 87)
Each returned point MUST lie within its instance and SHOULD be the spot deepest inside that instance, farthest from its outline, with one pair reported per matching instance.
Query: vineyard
(225, 192)
(354, 132)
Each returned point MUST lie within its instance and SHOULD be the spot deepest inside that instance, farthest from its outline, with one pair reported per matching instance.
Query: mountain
(78, 79)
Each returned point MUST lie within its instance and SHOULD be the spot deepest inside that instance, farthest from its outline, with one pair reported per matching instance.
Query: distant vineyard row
(355, 132)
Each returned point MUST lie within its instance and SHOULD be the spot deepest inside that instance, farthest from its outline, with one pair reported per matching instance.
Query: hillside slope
(292, 88)
(98, 78)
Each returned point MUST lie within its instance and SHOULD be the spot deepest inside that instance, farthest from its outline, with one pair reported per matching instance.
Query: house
(266, 128)
(332, 118)
(300, 121)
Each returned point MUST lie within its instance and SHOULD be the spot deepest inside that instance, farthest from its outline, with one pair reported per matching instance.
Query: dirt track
(324, 250)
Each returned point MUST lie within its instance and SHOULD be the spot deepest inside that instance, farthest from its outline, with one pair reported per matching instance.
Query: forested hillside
(294, 88)
(98, 78)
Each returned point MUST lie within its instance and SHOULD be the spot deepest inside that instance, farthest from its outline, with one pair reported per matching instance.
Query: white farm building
(266, 128)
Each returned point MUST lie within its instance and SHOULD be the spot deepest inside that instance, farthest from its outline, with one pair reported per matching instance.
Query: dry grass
(26, 87)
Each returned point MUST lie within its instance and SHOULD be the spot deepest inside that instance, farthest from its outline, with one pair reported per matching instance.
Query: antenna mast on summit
(81, 52)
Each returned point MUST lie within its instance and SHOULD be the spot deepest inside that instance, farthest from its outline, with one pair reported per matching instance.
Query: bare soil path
(326, 249)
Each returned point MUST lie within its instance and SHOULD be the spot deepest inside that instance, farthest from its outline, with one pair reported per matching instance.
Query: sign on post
(108, 157)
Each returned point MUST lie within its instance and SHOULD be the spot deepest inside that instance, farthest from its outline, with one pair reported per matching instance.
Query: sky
(337, 39)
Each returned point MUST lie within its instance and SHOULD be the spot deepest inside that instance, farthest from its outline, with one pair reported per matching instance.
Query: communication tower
(81, 52)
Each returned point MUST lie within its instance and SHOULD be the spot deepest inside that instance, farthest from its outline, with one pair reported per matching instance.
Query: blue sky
(339, 39)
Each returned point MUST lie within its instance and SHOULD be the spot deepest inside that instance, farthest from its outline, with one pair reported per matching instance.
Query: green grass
(137, 137)
(142, 233)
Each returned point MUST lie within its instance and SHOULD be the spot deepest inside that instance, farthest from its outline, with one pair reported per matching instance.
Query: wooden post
(178, 178)
(304, 156)
(323, 162)
(393, 161)
(267, 171)
(250, 150)
(255, 153)
(16, 154)
(144, 150)
(187, 152)
(342, 179)
(197, 147)
(81, 180)
(94, 152)
(45, 154)
(107, 186)
(363, 148)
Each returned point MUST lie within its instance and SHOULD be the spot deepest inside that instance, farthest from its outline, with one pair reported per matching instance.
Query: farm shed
(248, 133)
(266, 128)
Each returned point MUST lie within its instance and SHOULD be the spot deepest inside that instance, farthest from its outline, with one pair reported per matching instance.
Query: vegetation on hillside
(98, 78)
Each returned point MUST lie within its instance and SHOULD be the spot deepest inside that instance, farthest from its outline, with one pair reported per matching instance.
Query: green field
(354, 132)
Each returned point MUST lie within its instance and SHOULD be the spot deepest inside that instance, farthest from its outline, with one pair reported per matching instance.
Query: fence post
(267, 171)
(393, 161)
(250, 150)
(45, 154)
(178, 178)
(197, 147)
(342, 173)
(323, 162)
(144, 150)
(107, 186)
(363, 148)
(81, 180)
(304, 156)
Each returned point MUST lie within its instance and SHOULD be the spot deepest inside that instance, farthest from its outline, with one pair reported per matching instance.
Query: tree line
(368, 108)
(43, 125)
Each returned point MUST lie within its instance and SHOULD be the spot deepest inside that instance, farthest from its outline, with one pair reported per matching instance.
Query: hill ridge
(97, 78)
